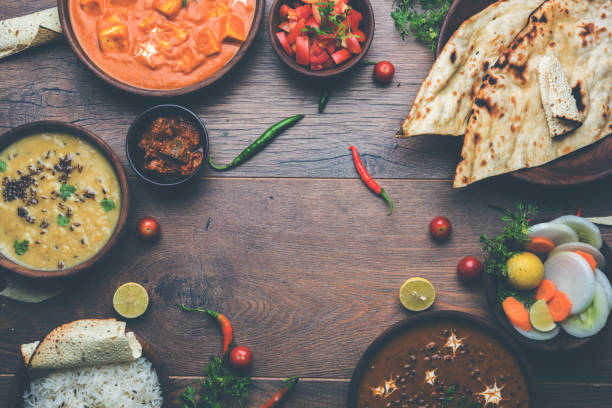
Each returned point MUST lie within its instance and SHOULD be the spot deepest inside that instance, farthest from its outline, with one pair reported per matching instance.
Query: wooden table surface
(291, 245)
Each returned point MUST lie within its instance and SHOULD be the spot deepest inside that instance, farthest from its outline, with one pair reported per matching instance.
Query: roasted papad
(507, 129)
(443, 103)
(82, 343)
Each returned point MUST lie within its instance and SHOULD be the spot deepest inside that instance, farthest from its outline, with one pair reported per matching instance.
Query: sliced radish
(573, 276)
(585, 229)
(591, 320)
(557, 233)
(581, 246)
(538, 335)
(602, 279)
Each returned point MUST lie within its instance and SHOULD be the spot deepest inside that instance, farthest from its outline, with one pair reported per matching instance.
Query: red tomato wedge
(353, 45)
(284, 12)
(328, 43)
(285, 26)
(311, 22)
(327, 64)
(340, 56)
(340, 6)
(354, 18)
(304, 11)
(296, 31)
(282, 39)
(360, 35)
(317, 54)
(302, 50)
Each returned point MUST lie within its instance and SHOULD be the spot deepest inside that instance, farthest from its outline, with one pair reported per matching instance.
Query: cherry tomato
(383, 72)
(241, 357)
(148, 228)
(469, 269)
(440, 228)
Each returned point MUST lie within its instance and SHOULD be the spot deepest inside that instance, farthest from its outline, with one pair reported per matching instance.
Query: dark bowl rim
(517, 353)
(27, 129)
(325, 73)
(71, 38)
(553, 345)
(143, 115)
(21, 380)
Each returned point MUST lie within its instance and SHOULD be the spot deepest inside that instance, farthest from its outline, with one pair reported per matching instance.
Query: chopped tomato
(353, 45)
(340, 56)
(327, 64)
(285, 26)
(296, 31)
(317, 54)
(303, 12)
(302, 52)
(340, 6)
(282, 39)
(360, 35)
(284, 12)
(311, 22)
(354, 18)
(327, 42)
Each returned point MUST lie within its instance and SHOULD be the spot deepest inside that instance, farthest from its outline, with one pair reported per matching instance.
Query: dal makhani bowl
(64, 199)
(437, 358)
(160, 47)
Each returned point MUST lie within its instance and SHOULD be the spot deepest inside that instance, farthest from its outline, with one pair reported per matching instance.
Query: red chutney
(161, 44)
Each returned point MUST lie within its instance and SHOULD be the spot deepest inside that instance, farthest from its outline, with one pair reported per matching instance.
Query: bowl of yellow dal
(64, 199)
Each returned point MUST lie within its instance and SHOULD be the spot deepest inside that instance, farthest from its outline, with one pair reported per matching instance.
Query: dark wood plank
(315, 393)
(50, 83)
(309, 266)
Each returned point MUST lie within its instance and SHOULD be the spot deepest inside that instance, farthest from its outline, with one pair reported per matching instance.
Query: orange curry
(161, 44)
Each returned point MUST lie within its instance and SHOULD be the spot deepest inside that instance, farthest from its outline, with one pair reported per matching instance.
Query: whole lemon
(525, 271)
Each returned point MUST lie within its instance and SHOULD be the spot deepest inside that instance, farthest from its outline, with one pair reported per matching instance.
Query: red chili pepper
(579, 211)
(368, 180)
(226, 326)
(280, 394)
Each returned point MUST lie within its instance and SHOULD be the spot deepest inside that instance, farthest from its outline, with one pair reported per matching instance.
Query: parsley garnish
(2, 165)
(220, 385)
(332, 23)
(422, 21)
(108, 204)
(66, 190)
(62, 220)
(21, 247)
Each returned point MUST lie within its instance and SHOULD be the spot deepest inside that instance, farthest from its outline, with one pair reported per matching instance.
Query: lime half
(540, 316)
(131, 300)
(417, 294)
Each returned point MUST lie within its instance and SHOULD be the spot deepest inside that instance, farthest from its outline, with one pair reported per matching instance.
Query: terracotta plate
(21, 380)
(585, 165)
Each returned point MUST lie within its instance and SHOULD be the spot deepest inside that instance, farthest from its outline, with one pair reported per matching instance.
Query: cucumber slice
(557, 233)
(584, 247)
(586, 230)
(538, 335)
(602, 279)
(592, 320)
(573, 276)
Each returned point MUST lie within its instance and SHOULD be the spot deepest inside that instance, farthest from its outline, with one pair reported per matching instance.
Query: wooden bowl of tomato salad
(160, 47)
(321, 38)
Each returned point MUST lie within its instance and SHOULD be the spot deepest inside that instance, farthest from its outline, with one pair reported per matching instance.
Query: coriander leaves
(108, 204)
(62, 220)
(66, 190)
(421, 19)
(21, 247)
(2, 166)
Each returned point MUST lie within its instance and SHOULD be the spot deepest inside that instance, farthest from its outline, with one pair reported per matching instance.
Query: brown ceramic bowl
(64, 15)
(21, 379)
(53, 125)
(442, 315)
(563, 341)
(367, 26)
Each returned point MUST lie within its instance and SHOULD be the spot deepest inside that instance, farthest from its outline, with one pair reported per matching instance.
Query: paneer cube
(148, 23)
(232, 28)
(92, 6)
(188, 61)
(169, 8)
(115, 38)
(218, 11)
(175, 34)
(207, 42)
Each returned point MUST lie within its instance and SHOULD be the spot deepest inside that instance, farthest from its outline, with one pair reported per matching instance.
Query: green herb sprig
(21, 247)
(2, 166)
(332, 23)
(62, 220)
(108, 204)
(421, 19)
(66, 190)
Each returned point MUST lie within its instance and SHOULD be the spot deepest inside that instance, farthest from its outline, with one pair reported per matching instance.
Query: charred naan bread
(443, 103)
(507, 130)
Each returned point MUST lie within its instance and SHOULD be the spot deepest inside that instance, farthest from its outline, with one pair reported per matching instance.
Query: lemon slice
(417, 294)
(540, 316)
(131, 300)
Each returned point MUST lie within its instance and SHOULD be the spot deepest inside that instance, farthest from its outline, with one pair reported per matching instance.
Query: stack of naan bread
(526, 82)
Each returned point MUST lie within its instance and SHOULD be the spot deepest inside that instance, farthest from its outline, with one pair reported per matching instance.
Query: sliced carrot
(546, 290)
(540, 245)
(517, 313)
(589, 258)
(560, 306)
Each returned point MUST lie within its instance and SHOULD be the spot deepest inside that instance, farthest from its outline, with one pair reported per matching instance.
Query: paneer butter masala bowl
(64, 199)
(160, 47)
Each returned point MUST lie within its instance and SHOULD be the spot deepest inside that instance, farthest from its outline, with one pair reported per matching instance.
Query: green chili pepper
(323, 98)
(368, 63)
(258, 144)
